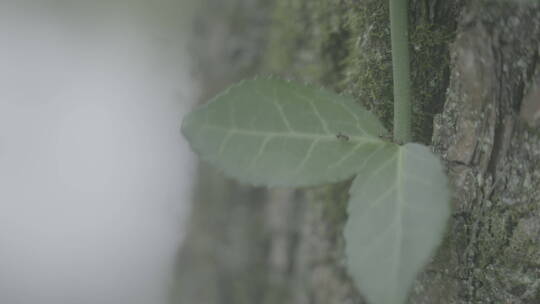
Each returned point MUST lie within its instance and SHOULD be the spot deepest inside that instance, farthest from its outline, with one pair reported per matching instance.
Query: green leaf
(278, 133)
(398, 211)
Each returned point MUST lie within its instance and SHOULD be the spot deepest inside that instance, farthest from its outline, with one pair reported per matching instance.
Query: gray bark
(250, 245)
(492, 251)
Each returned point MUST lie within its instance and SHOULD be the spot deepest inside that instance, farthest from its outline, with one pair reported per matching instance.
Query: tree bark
(476, 79)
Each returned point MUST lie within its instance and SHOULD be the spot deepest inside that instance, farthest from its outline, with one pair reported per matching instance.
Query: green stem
(401, 69)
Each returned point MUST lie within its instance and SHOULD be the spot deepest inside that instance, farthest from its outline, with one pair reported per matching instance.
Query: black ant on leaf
(342, 137)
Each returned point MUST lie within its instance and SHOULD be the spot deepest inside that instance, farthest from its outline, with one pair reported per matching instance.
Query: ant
(342, 137)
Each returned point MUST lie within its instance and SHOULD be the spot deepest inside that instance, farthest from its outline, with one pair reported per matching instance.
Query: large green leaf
(398, 210)
(277, 133)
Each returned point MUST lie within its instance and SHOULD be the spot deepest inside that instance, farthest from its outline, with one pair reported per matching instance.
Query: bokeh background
(95, 179)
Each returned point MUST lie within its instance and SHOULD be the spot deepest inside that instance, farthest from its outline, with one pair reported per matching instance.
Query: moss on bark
(345, 45)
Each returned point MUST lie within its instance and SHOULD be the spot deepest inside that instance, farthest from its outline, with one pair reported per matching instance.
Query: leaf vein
(383, 196)
(399, 213)
(374, 173)
(324, 125)
(261, 150)
(353, 114)
(346, 156)
(224, 143)
(280, 111)
(300, 135)
(307, 156)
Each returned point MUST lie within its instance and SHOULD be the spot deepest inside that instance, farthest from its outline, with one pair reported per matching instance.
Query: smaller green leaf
(277, 133)
(398, 211)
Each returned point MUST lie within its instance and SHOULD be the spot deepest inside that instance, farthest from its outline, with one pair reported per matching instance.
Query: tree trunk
(476, 78)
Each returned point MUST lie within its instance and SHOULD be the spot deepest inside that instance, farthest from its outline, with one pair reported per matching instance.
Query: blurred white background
(94, 175)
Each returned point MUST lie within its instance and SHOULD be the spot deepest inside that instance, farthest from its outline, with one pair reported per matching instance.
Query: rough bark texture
(493, 249)
(476, 75)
